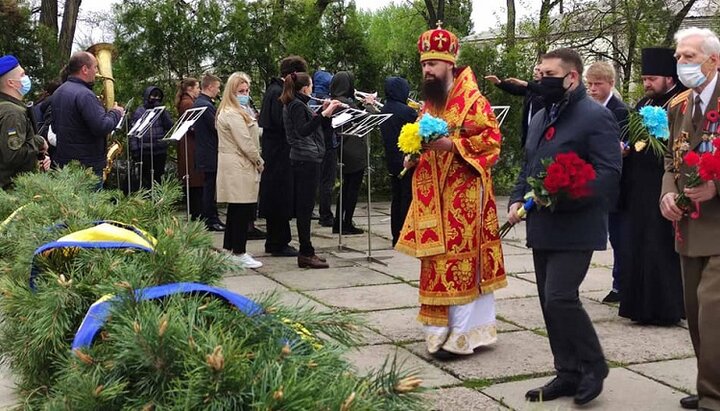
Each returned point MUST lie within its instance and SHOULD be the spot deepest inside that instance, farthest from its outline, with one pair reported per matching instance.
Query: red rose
(692, 159)
(709, 168)
(550, 133)
(712, 116)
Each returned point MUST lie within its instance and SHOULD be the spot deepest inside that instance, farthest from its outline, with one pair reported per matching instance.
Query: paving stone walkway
(651, 367)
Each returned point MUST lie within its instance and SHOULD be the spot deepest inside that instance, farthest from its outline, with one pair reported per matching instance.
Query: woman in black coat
(307, 147)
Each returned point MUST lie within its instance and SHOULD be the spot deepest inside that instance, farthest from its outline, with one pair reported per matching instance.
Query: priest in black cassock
(651, 288)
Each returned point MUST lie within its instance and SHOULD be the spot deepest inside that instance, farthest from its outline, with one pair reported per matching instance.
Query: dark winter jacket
(206, 138)
(81, 124)
(590, 130)
(153, 136)
(532, 102)
(276, 180)
(304, 130)
(397, 91)
(354, 149)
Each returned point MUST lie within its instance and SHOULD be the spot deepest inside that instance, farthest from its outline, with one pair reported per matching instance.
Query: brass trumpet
(361, 95)
(104, 53)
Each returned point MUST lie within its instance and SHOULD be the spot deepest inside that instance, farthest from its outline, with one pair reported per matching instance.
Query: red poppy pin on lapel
(549, 133)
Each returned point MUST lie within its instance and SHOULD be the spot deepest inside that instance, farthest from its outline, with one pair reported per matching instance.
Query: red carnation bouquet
(567, 176)
(704, 167)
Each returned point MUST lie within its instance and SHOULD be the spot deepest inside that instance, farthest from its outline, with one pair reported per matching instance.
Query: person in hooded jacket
(328, 169)
(151, 150)
(353, 158)
(397, 90)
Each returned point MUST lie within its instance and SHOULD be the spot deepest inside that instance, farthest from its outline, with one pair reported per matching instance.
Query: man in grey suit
(563, 239)
(698, 57)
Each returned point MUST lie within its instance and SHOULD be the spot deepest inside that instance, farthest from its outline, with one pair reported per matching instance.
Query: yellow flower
(409, 141)
(640, 145)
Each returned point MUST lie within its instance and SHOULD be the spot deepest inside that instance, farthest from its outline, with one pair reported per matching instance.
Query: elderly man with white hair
(693, 120)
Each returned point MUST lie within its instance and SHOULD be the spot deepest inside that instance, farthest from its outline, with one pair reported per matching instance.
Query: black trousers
(400, 203)
(618, 231)
(278, 234)
(154, 164)
(573, 341)
(328, 173)
(350, 191)
(305, 175)
(196, 195)
(238, 217)
(209, 206)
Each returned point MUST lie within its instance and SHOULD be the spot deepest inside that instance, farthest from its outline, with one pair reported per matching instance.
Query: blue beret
(8, 63)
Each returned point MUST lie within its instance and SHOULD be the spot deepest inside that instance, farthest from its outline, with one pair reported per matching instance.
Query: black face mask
(552, 89)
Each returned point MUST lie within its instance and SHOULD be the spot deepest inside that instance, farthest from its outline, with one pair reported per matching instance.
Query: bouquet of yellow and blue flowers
(413, 135)
(648, 127)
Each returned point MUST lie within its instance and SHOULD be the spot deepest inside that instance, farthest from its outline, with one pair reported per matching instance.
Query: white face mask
(691, 75)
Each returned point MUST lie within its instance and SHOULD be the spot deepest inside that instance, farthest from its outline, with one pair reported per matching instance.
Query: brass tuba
(104, 52)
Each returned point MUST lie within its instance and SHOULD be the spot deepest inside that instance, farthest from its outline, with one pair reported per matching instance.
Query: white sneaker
(246, 261)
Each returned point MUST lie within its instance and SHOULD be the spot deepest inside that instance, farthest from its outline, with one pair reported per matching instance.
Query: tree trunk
(510, 25)
(543, 33)
(675, 23)
(432, 16)
(440, 11)
(67, 34)
(49, 15)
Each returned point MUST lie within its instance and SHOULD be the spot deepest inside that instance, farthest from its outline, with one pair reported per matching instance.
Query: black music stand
(178, 130)
(357, 123)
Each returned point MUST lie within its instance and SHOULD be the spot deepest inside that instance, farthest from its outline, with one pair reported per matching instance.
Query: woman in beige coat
(239, 168)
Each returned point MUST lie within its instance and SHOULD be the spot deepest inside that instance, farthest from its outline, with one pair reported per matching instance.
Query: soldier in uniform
(20, 148)
(698, 55)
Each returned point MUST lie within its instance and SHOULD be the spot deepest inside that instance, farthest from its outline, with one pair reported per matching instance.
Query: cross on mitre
(440, 38)
(439, 24)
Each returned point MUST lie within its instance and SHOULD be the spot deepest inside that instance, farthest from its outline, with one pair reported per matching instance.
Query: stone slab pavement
(651, 367)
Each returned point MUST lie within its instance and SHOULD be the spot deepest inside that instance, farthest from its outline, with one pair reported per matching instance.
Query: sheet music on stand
(345, 116)
(127, 106)
(366, 124)
(501, 113)
(183, 124)
(145, 122)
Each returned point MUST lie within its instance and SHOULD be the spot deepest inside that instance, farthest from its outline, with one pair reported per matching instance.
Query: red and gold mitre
(438, 44)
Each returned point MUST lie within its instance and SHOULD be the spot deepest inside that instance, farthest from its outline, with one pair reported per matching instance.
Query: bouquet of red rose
(567, 176)
(704, 167)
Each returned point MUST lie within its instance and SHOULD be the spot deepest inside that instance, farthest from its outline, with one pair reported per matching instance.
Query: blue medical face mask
(691, 75)
(25, 85)
(243, 99)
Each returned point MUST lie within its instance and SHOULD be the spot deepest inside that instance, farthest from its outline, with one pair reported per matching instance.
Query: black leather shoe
(348, 230)
(215, 227)
(690, 402)
(326, 223)
(591, 385)
(256, 234)
(286, 251)
(551, 391)
(312, 261)
(612, 297)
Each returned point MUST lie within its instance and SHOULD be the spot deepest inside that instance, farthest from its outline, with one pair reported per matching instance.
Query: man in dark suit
(600, 80)
(532, 100)
(563, 239)
(698, 56)
(206, 149)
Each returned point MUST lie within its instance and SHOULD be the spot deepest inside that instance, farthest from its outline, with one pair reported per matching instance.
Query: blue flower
(656, 121)
(432, 127)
